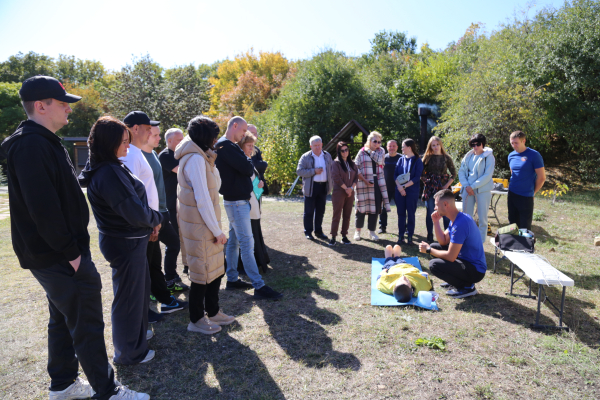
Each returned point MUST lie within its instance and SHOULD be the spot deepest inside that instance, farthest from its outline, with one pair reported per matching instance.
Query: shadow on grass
(177, 374)
(295, 321)
(503, 307)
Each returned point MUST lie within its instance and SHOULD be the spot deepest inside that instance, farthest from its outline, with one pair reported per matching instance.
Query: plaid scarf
(365, 195)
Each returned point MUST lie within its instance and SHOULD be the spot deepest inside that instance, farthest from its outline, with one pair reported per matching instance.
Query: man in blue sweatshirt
(235, 170)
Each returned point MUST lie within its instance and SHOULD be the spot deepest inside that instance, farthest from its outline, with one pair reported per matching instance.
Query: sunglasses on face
(344, 150)
(376, 141)
(475, 144)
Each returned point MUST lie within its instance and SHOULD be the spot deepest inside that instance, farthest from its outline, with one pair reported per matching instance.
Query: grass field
(325, 341)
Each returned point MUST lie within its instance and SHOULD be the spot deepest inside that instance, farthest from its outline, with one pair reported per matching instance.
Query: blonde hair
(247, 138)
(373, 135)
(429, 150)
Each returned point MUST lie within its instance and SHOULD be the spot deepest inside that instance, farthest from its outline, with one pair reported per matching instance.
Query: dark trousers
(314, 208)
(158, 284)
(169, 235)
(76, 327)
(406, 207)
(383, 217)
(359, 221)
(458, 273)
(520, 210)
(204, 298)
(131, 288)
(342, 209)
(430, 204)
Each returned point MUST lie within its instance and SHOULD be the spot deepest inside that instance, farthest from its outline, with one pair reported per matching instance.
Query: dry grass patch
(325, 341)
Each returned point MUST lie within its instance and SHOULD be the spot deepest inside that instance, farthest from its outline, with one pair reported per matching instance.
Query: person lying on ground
(458, 259)
(400, 279)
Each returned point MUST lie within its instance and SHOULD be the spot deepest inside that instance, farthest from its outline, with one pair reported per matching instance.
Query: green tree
(22, 66)
(172, 98)
(11, 111)
(386, 42)
(77, 71)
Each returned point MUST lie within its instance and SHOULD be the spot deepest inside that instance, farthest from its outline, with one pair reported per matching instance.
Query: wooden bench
(538, 270)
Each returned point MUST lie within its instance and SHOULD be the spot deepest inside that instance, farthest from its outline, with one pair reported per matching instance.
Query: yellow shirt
(388, 279)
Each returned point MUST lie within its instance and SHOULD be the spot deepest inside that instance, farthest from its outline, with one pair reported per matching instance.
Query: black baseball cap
(139, 118)
(42, 87)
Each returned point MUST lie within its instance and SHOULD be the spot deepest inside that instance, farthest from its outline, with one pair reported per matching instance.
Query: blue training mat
(381, 299)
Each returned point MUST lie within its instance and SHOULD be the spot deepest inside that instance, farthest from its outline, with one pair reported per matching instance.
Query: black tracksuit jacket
(118, 200)
(48, 211)
(235, 170)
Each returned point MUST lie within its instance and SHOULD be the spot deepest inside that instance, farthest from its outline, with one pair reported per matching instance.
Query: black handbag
(506, 241)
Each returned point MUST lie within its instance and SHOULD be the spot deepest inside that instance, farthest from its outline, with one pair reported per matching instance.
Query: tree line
(538, 74)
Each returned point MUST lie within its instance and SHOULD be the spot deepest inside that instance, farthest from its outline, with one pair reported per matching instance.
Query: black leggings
(204, 297)
(458, 273)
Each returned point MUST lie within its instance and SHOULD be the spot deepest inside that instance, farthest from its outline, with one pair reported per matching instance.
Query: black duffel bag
(507, 241)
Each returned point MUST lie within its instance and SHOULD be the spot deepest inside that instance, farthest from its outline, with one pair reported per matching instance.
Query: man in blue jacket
(49, 219)
(235, 170)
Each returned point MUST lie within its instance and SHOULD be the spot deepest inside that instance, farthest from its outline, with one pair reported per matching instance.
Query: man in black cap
(140, 126)
(49, 219)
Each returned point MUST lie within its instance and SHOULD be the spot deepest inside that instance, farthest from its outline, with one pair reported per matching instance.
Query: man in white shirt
(140, 126)
(315, 169)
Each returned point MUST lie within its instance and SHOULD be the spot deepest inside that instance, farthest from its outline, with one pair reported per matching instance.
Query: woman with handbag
(260, 250)
(199, 218)
(345, 176)
(371, 192)
(475, 174)
(438, 174)
(407, 176)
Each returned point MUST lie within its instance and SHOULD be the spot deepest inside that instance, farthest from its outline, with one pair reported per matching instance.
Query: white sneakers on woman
(222, 319)
(356, 235)
(374, 237)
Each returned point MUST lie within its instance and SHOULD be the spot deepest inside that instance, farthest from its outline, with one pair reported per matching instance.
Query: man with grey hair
(314, 168)
(170, 166)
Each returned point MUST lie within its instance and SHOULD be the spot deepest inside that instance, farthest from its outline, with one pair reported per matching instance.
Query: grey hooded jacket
(480, 178)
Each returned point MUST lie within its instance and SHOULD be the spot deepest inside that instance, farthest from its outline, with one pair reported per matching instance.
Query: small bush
(539, 215)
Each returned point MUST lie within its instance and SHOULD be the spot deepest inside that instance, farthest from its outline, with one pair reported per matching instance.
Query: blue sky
(183, 32)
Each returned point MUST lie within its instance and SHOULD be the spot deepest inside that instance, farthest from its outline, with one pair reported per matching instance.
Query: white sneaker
(204, 325)
(149, 356)
(80, 389)
(356, 235)
(127, 394)
(374, 237)
(222, 319)
(149, 334)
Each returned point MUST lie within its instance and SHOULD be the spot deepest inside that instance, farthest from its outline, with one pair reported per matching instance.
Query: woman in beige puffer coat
(199, 217)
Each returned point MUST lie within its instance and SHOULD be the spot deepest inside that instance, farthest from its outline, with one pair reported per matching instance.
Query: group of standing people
(139, 199)
(371, 177)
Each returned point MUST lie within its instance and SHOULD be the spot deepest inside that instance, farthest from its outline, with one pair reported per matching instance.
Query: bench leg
(562, 305)
(495, 256)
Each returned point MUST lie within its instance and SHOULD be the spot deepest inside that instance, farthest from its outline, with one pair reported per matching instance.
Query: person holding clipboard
(260, 250)
(407, 176)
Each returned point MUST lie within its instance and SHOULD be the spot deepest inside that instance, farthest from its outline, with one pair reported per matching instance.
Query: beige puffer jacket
(205, 259)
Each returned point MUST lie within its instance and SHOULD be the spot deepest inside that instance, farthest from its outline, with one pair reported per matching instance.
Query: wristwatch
(429, 250)
(403, 188)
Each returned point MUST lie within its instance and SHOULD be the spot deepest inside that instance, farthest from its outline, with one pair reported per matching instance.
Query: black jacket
(235, 169)
(118, 200)
(48, 212)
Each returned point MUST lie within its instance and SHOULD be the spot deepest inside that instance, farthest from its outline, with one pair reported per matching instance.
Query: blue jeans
(240, 238)
(430, 204)
(406, 207)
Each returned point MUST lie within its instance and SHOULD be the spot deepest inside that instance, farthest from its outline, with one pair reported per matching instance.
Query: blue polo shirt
(523, 166)
(464, 231)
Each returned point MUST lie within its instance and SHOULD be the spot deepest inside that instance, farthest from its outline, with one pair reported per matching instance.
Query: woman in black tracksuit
(124, 220)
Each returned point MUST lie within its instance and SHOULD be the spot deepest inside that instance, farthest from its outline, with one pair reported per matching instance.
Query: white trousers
(483, 205)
